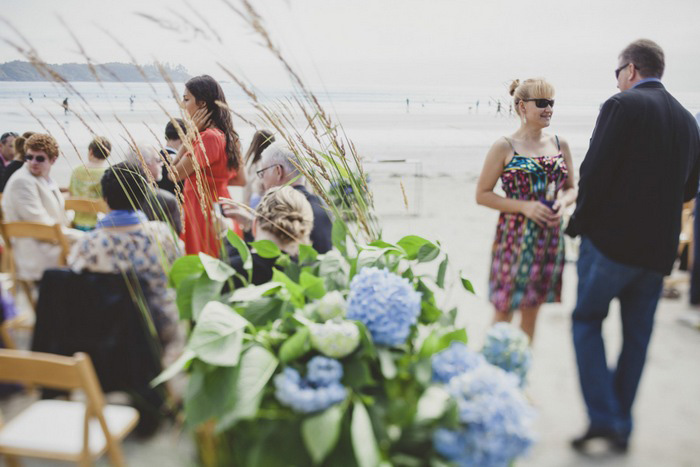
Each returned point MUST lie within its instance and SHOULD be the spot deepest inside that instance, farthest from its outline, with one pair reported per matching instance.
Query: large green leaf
(217, 338)
(184, 293)
(321, 432)
(254, 292)
(307, 253)
(263, 311)
(370, 256)
(339, 234)
(208, 390)
(205, 290)
(334, 270)
(427, 252)
(240, 246)
(442, 270)
(313, 286)
(216, 269)
(266, 249)
(295, 290)
(412, 244)
(185, 267)
(176, 367)
(364, 442)
(436, 342)
(255, 369)
(296, 346)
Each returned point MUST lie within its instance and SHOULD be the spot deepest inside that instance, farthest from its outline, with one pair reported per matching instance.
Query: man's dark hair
(100, 147)
(171, 131)
(123, 187)
(647, 57)
(5, 136)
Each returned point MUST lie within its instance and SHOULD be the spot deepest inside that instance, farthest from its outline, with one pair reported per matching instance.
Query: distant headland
(115, 72)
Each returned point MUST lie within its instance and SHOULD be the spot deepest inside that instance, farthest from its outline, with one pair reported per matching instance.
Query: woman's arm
(568, 195)
(240, 178)
(490, 173)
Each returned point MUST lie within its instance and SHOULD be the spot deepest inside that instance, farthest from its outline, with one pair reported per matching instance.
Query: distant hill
(126, 72)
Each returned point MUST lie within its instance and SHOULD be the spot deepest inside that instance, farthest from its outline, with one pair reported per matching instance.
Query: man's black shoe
(616, 440)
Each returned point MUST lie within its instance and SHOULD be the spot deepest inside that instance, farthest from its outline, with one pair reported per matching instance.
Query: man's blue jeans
(609, 393)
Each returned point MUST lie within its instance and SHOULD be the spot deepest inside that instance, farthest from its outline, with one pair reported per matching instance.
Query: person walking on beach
(534, 169)
(642, 163)
(65, 106)
(210, 163)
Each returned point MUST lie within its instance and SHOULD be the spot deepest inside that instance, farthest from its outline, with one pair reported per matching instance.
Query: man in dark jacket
(642, 164)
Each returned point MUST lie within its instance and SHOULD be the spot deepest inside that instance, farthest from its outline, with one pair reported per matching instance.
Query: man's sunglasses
(541, 103)
(617, 72)
(30, 157)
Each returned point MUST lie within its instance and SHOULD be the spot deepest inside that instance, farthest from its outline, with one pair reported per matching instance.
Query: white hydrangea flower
(335, 339)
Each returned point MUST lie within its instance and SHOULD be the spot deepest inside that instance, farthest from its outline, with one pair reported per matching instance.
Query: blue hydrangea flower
(322, 371)
(320, 390)
(496, 419)
(508, 347)
(386, 303)
(453, 361)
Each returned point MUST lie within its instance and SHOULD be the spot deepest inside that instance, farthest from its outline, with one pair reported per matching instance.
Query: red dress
(203, 187)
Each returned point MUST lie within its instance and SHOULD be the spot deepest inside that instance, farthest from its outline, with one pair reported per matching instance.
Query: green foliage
(266, 249)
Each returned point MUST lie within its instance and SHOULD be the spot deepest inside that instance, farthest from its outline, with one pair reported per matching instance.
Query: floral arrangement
(342, 359)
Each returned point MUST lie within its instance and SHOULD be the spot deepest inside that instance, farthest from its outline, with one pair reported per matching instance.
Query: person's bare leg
(528, 318)
(502, 317)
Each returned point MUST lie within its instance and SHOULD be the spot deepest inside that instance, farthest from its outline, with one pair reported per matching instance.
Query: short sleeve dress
(527, 260)
(203, 188)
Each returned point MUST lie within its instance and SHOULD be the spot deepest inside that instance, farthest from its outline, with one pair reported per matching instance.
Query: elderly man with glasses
(641, 165)
(32, 196)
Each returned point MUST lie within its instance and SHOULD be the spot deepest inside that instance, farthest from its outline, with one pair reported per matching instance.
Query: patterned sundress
(527, 260)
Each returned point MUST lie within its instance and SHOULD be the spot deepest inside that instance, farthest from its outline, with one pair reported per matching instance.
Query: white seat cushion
(57, 426)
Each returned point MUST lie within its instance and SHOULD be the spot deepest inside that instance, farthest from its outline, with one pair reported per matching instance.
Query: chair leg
(7, 338)
(29, 292)
(116, 456)
(12, 461)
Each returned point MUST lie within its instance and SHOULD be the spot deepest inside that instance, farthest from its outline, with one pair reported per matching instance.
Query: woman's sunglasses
(30, 157)
(541, 103)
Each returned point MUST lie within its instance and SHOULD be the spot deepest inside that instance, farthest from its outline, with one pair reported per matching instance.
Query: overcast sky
(366, 43)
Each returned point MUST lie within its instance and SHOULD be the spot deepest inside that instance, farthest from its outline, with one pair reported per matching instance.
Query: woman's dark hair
(123, 187)
(205, 89)
(261, 140)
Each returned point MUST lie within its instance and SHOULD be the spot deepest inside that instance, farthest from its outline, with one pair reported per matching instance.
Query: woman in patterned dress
(535, 171)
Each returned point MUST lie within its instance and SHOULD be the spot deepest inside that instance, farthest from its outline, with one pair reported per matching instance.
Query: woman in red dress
(209, 165)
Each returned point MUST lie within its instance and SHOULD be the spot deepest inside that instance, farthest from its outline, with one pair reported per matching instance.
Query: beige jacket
(29, 199)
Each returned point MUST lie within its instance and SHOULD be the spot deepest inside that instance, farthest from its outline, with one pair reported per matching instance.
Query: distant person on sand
(536, 173)
(65, 106)
(407, 102)
(214, 151)
(641, 164)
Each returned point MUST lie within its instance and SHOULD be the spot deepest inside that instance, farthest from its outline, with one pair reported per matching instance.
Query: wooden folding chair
(86, 205)
(43, 232)
(62, 430)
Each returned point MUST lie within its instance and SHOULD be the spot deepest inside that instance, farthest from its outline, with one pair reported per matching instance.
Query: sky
(359, 44)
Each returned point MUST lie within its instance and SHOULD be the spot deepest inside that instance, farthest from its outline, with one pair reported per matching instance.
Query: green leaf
(217, 338)
(205, 290)
(429, 313)
(411, 244)
(295, 290)
(266, 249)
(357, 374)
(459, 335)
(321, 433)
(436, 342)
(296, 346)
(334, 270)
(263, 311)
(255, 369)
(427, 252)
(307, 253)
(364, 442)
(240, 246)
(313, 286)
(176, 367)
(216, 269)
(442, 270)
(254, 292)
(339, 235)
(432, 404)
(183, 299)
(466, 283)
(370, 256)
(185, 267)
(386, 363)
(208, 390)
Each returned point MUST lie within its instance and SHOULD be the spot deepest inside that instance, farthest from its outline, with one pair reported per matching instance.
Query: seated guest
(125, 241)
(277, 168)
(85, 181)
(32, 196)
(158, 204)
(173, 143)
(253, 190)
(284, 217)
(7, 149)
(18, 161)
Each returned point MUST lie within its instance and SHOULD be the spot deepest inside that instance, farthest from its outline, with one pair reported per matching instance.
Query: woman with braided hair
(285, 218)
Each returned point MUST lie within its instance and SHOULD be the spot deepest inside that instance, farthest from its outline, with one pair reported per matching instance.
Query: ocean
(438, 132)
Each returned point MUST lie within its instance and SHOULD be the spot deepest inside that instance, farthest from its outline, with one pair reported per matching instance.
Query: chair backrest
(52, 371)
(43, 232)
(86, 205)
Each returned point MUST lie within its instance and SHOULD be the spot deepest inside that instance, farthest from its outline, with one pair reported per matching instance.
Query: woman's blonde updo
(535, 88)
(285, 213)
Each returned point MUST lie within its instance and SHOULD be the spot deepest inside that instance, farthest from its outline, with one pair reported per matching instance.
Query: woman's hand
(202, 119)
(540, 214)
(243, 217)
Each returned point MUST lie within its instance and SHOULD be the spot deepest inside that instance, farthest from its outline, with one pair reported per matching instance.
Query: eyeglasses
(617, 72)
(541, 103)
(261, 172)
(31, 157)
